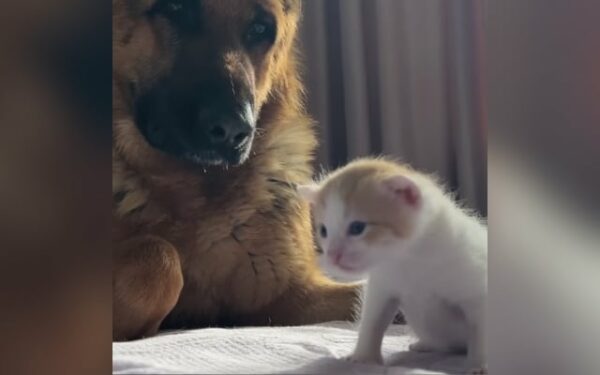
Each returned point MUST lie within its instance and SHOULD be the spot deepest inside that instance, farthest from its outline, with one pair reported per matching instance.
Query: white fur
(437, 277)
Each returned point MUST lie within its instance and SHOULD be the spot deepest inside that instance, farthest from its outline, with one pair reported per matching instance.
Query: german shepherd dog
(210, 139)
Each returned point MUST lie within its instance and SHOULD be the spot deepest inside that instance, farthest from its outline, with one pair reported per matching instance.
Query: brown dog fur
(215, 246)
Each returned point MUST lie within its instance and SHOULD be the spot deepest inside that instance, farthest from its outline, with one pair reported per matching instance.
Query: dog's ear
(309, 192)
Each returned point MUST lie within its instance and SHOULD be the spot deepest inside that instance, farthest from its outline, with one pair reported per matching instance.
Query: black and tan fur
(198, 245)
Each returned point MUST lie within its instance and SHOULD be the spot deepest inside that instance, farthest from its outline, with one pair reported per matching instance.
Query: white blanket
(316, 349)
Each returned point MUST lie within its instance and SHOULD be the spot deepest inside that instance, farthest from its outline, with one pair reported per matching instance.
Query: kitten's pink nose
(336, 255)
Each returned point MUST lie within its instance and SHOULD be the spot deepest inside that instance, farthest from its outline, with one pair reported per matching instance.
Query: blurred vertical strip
(543, 64)
(55, 186)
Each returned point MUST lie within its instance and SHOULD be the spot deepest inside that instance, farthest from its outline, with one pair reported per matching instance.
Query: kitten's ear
(405, 189)
(309, 192)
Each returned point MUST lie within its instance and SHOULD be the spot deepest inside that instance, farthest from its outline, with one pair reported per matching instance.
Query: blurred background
(401, 78)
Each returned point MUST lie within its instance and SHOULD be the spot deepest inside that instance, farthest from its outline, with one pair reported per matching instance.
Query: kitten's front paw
(476, 364)
(366, 358)
(478, 371)
(421, 347)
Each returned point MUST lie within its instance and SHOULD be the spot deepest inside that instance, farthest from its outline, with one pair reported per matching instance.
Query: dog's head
(196, 73)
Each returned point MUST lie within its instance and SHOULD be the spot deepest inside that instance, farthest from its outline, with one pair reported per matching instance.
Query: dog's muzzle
(206, 132)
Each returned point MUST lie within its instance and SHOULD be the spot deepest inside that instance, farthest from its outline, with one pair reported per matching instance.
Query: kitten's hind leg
(378, 311)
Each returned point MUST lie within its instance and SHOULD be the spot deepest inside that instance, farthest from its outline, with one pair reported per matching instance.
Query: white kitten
(422, 254)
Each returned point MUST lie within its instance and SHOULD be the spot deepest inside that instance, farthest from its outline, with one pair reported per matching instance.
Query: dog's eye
(257, 30)
(323, 231)
(170, 7)
(182, 13)
(260, 32)
(356, 228)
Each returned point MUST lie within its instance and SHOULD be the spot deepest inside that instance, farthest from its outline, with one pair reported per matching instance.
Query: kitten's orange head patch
(364, 207)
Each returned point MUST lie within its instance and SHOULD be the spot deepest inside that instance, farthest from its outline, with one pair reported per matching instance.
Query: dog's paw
(365, 358)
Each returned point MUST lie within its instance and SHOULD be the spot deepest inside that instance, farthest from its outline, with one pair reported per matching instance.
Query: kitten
(421, 253)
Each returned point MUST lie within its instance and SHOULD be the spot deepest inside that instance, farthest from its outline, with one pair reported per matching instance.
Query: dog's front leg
(316, 300)
(147, 281)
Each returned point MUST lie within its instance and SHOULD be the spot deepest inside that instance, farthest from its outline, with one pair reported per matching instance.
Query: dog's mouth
(224, 157)
(211, 156)
(185, 149)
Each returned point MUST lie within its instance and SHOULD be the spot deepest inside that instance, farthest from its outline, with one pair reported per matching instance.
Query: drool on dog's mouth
(210, 158)
(215, 158)
(195, 150)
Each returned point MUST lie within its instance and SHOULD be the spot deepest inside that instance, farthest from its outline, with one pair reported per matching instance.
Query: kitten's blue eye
(356, 228)
(323, 231)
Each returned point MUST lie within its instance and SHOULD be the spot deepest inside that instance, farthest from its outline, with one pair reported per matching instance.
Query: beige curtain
(401, 78)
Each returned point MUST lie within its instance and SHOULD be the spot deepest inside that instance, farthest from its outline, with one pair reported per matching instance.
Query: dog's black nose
(232, 133)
